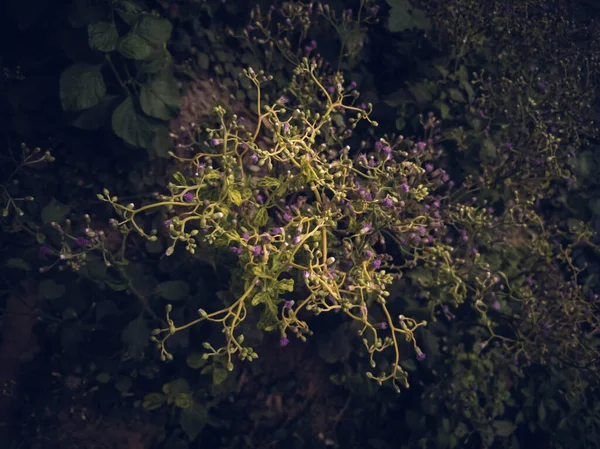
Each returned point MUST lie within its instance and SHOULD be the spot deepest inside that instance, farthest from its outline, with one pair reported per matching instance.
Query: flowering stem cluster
(320, 220)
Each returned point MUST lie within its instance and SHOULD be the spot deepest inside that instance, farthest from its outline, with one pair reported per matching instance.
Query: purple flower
(387, 202)
(421, 356)
(353, 85)
(237, 250)
(256, 251)
(331, 90)
(288, 304)
(188, 197)
(421, 146)
(260, 198)
(254, 159)
(283, 99)
(388, 153)
(369, 253)
(287, 216)
(377, 264)
(363, 106)
(246, 236)
(82, 241)
(378, 145)
(496, 305)
(382, 325)
(366, 227)
(214, 141)
(283, 342)
(276, 231)
(286, 128)
(428, 168)
(405, 187)
(45, 250)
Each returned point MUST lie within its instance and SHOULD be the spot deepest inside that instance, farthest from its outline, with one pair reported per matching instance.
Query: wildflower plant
(317, 224)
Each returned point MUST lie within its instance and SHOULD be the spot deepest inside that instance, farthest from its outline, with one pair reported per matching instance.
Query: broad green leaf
(456, 95)
(55, 211)
(103, 36)
(262, 217)
(159, 61)
(235, 196)
(153, 401)
(136, 337)
(133, 46)
(219, 375)
(192, 420)
(176, 387)
(17, 264)
(504, 428)
(184, 400)
(173, 290)
(195, 360)
(268, 181)
(160, 98)
(95, 118)
(129, 10)
(153, 29)
(49, 289)
(132, 126)
(81, 87)
(286, 285)
(403, 17)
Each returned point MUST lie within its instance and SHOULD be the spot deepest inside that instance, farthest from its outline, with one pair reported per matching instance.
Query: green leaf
(95, 118)
(268, 181)
(131, 126)
(195, 360)
(159, 61)
(17, 264)
(133, 46)
(136, 337)
(192, 420)
(235, 196)
(55, 211)
(103, 378)
(175, 387)
(81, 87)
(504, 428)
(178, 176)
(103, 36)
(129, 11)
(160, 98)
(49, 289)
(219, 375)
(286, 285)
(153, 29)
(184, 400)
(456, 95)
(262, 217)
(173, 290)
(153, 401)
(403, 17)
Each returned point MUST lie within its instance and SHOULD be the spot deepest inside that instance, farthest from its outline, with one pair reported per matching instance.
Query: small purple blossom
(306, 274)
(369, 253)
(284, 342)
(287, 216)
(377, 264)
(237, 250)
(383, 325)
(405, 188)
(188, 197)
(254, 159)
(82, 241)
(496, 305)
(378, 145)
(421, 356)
(214, 141)
(276, 231)
(421, 146)
(387, 202)
(45, 250)
(287, 305)
(256, 251)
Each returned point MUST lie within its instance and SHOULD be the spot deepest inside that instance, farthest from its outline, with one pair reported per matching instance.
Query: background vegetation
(448, 204)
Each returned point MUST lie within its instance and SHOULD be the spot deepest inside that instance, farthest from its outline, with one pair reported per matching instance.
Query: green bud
(168, 308)
(155, 331)
(230, 366)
